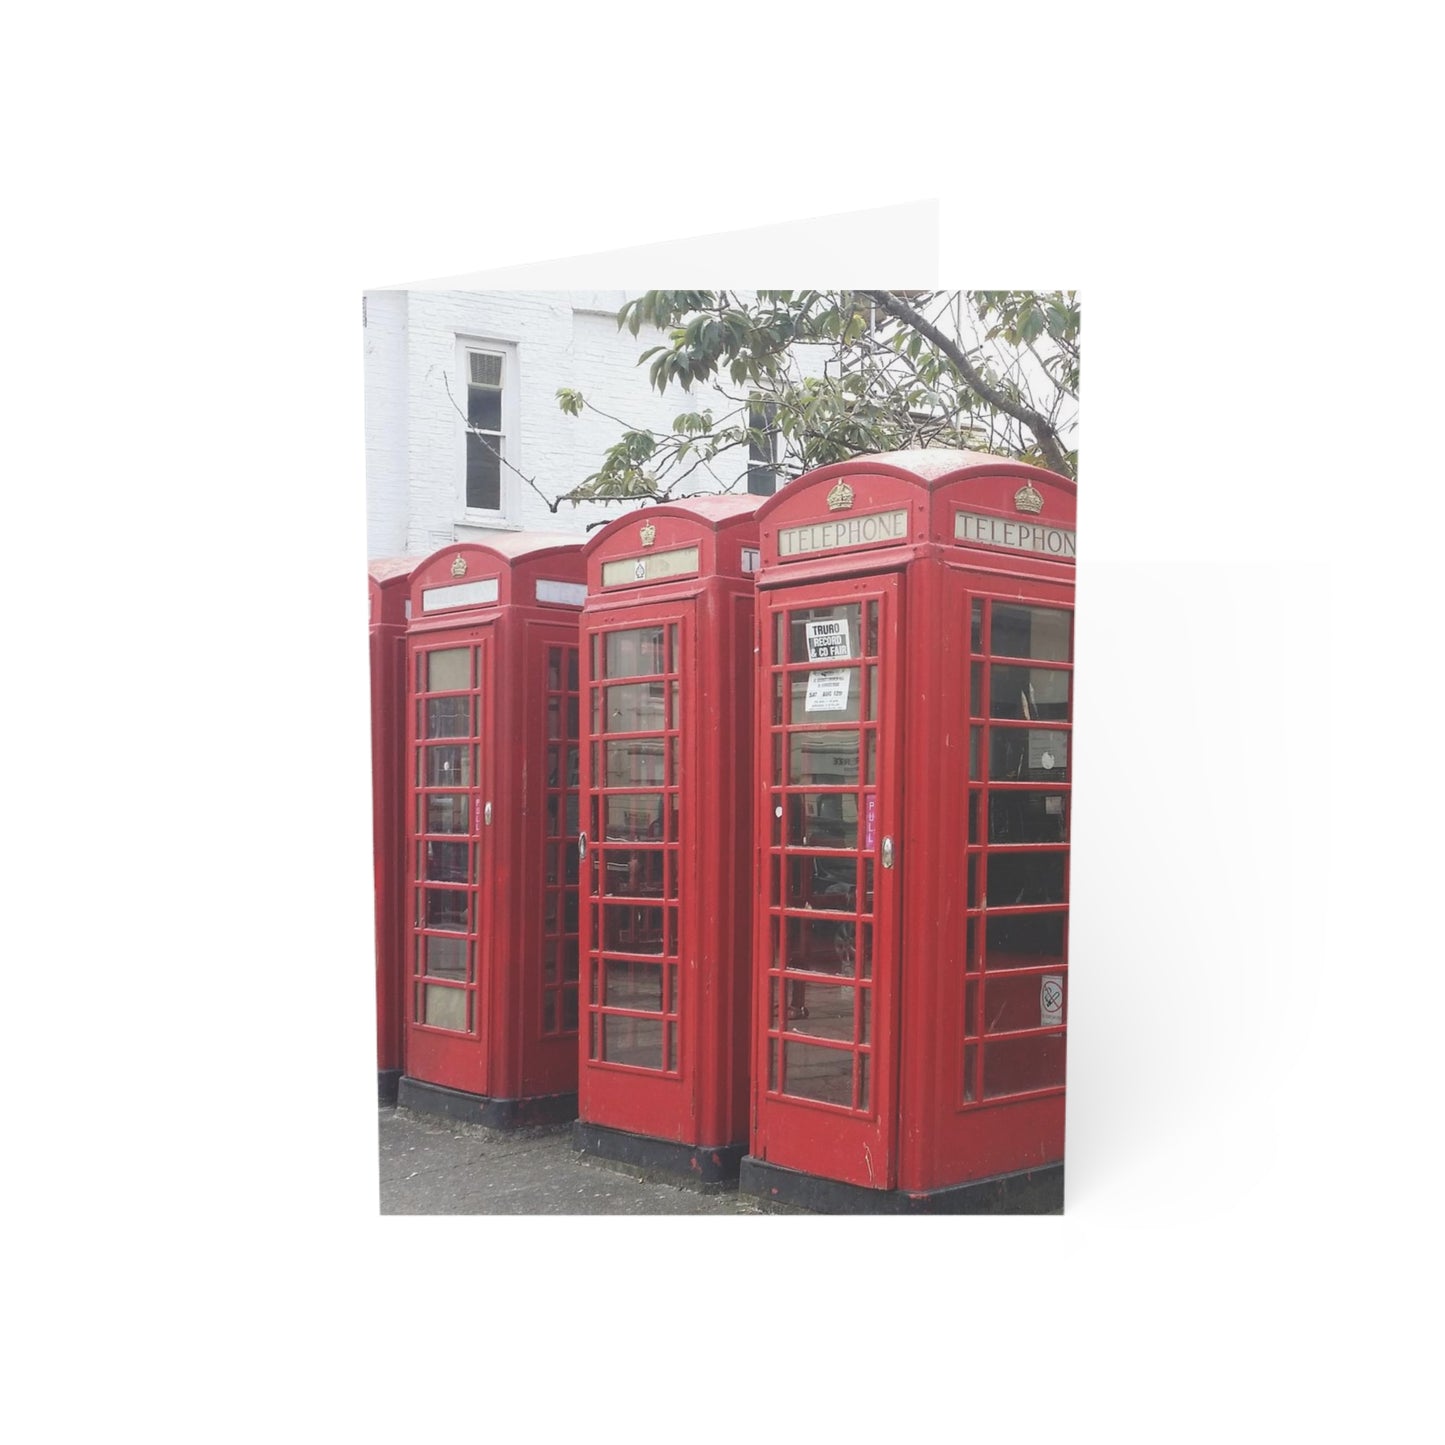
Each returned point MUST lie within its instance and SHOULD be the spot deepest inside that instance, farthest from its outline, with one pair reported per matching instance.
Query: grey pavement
(438, 1166)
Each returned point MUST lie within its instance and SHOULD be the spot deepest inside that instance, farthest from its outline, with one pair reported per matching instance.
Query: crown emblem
(459, 566)
(648, 534)
(841, 497)
(1028, 498)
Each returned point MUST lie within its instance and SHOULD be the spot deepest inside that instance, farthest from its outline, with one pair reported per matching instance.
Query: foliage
(811, 377)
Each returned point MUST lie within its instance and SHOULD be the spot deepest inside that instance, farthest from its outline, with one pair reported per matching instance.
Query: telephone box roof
(931, 464)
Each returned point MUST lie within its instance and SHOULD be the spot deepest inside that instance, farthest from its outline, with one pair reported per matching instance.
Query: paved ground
(437, 1166)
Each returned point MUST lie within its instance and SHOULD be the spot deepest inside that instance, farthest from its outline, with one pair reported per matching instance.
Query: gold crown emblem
(649, 534)
(459, 567)
(1028, 498)
(840, 497)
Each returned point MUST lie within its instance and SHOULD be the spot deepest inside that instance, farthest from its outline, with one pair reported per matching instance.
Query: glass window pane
(634, 817)
(446, 957)
(443, 813)
(823, 634)
(1014, 1066)
(445, 1008)
(1016, 879)
(447, 862)
(448, 767)
(1040, 632)
(826, 758)
(1040, 694)
(1027, 818)
(448, 717)
(824, 1010)
(632, 1041)
(811, 1071)
(822, 945)
(1016, 1001)
(821, 883)
(634, 654)
(484, 408)
(634, 708)
(632, 930)
(634, 874)
(1025, 941)
(449, 669)
(1035, 755)
(484, 472)
(447, 908)
(638, 760)
(569, 1010)
(634, 985)
(823, 820)
(826, 694)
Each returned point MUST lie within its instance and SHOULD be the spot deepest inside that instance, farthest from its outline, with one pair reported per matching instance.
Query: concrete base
(427, 1098)
(705, 1168)
(1034, 1191)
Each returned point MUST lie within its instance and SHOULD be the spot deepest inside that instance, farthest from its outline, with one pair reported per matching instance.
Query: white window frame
(507, 515)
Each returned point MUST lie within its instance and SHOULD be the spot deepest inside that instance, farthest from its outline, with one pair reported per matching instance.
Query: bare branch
(1038, 424)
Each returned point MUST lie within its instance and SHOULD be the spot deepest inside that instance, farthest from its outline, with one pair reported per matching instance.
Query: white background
(196, 204)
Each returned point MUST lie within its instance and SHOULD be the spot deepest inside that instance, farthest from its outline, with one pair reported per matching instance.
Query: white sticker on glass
(828, 690)
(1051, 1000)
(827, 639)
(1048, 750)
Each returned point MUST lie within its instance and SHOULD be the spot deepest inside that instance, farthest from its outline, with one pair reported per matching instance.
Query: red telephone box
(388, 589)
(914, 757)
(491, 777)
(667, 667)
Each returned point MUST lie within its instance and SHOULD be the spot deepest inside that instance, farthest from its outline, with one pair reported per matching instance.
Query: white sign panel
(869, 530)
(827, 639)
(828, 690)
(572, 593)
(459, 594)
(1051, 1000)
(682, 562)
(1006, 532)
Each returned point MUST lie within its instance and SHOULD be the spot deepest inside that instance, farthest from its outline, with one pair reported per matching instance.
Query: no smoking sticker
(1051, 1000)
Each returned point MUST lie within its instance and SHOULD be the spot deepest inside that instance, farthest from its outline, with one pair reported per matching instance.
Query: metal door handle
(888, 852)
(582, 845)
(487, 815)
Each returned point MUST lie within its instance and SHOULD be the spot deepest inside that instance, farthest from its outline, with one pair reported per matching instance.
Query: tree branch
(1047, 438)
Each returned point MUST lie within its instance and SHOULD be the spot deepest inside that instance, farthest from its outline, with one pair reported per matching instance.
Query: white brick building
(519, 347)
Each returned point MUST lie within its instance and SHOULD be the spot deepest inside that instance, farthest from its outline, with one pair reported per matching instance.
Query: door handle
(888, 852)
(487, 815)
(582, 846)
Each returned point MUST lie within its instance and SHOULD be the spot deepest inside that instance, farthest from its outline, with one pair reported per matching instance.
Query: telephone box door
(638, 1064)
(449, 776)
(829, 827)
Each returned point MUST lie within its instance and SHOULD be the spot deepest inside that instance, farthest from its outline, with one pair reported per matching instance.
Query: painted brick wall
(414, 445)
